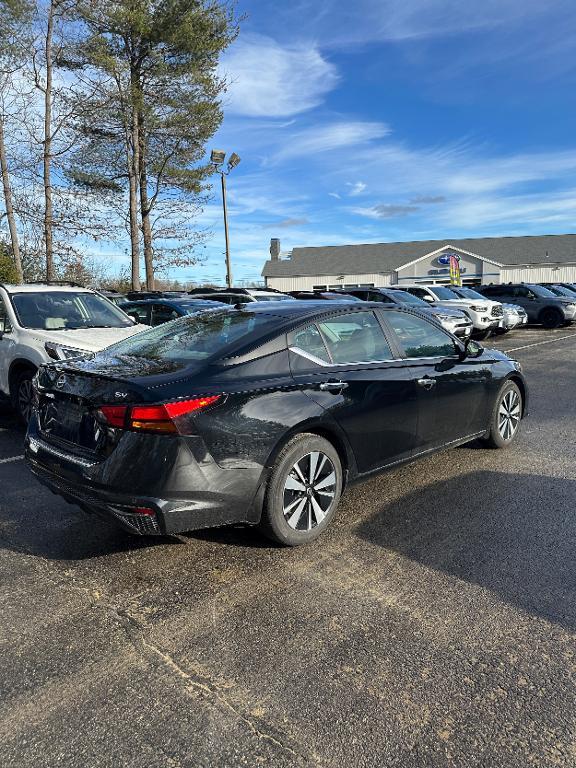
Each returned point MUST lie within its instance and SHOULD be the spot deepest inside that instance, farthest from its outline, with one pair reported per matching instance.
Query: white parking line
(12, 458)
(538, 343)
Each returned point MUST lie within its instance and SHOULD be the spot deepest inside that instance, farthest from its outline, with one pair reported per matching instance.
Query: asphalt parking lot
(433, 625)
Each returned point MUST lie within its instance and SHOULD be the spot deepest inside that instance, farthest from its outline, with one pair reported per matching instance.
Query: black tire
(21, 394)
(551, 318)
(509, 397)
(482, 335)
(290, 515)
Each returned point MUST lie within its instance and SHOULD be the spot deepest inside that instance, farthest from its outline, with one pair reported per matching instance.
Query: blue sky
(382, 120)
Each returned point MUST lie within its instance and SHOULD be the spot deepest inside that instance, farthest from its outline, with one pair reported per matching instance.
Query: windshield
(544, 293)
(443, 293)
(67, 310)
(194, 337)
(559, 290)
(468, 293)
(408, 298)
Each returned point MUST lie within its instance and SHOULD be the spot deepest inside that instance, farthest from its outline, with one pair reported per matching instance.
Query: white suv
(486, 315)
(42, 323)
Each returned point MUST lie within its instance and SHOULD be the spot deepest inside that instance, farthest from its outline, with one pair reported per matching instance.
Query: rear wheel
(551, 318)
(505, 417)
(303, 491)
(23, 395)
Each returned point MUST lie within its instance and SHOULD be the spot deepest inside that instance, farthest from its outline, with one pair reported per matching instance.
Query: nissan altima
(262, 414)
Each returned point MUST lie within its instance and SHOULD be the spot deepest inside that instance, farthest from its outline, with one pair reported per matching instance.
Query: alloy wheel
(25, 399)
(309, 491)
(509, 414)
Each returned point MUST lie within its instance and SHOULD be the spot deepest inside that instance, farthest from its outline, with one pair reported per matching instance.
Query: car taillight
(154, 418)
(115, 415)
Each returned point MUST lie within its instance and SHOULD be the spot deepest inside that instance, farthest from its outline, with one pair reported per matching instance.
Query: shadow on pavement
(514, 535)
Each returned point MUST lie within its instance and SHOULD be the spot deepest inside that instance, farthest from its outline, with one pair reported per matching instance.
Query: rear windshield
(195, 337)
(67, 310)
(544, 293)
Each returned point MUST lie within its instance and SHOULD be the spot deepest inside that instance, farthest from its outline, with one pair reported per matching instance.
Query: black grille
(497, 310)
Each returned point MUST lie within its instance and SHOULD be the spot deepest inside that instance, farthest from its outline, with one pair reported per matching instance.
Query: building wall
(556, 273)
(307, 283)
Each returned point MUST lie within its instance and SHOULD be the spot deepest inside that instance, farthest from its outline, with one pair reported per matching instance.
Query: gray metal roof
(386, 257)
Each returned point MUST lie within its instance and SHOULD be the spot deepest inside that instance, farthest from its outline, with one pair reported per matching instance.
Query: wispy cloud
(329, 137)
(288, 223)
(365, 21)
(356, 189)
(427, 199)
(270, 80)
(386, 211)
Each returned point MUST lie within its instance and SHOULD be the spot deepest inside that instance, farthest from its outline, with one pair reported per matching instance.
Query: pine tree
(156, 61)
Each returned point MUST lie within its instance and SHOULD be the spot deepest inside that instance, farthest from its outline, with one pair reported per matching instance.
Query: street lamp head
(217, 157)
(233, 160)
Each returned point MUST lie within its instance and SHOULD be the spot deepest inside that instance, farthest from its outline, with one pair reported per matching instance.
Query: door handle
(333, 386)
(427, 383)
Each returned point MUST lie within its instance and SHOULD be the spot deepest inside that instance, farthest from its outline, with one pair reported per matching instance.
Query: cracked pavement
(433, 625)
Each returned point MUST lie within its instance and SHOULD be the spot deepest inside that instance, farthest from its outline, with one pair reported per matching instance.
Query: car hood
(447, 311)
(465, 303)
(89, 339)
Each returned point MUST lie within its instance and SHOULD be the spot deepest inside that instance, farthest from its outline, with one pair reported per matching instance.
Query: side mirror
(471, 350)
(427, 298)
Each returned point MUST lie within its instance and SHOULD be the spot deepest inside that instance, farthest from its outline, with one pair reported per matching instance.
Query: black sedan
(158, 311)
(262, 414)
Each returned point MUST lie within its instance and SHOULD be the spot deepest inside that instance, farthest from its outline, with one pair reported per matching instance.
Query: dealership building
(535, 259)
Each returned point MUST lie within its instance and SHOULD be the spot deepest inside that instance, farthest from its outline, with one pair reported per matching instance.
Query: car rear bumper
(211, 498)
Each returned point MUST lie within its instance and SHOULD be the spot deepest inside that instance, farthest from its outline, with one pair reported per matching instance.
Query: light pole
(218, 158)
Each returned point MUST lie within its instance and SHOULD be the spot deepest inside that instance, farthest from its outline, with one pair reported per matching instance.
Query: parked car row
(43, 323)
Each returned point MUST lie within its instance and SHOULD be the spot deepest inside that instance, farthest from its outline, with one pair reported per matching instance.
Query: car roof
(177, 301)
(43, 287)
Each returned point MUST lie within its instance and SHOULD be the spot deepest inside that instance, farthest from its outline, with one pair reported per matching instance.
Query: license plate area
(70, 421)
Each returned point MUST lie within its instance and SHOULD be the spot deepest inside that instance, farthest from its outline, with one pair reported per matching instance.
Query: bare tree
(15, 16)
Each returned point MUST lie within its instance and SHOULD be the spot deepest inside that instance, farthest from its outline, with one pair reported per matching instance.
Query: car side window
(162, 313)
(5, 325)
(310, 341)
(375, 296)
(419, 338)
(355, 338)
(521, 292)
(417, 292)
(139, 313)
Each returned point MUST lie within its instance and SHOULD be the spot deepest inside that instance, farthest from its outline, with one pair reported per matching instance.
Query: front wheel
(23, 395)
(482, 335)
(551, 318)
(303, 491)
(506, 417)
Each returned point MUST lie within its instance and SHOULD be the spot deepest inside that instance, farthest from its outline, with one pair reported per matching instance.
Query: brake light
(156, 417)
(151, 418)
(115, 415)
